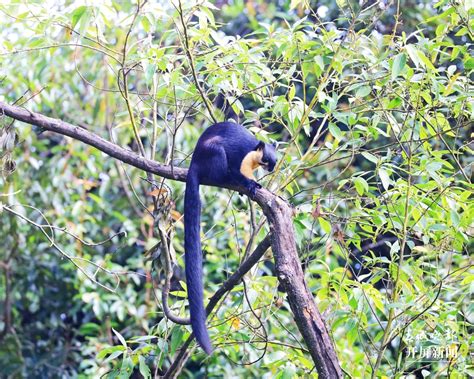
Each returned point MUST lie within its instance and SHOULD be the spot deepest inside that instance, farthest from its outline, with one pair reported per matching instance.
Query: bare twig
(192, 65)
(166, 287)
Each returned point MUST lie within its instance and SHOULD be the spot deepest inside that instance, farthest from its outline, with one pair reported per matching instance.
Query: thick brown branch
(291, 276)
(278, 213)
(92, 139)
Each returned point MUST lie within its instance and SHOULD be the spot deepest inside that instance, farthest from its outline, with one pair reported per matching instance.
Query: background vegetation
(371, 103)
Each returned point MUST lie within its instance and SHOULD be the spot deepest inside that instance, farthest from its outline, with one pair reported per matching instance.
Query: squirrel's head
(268, 159)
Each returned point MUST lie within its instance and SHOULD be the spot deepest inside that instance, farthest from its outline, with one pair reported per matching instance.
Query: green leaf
(361, 185)
(77, 14)
(370, 157)
(90, 329)
(146, 24)
(335, 131)
(176, 339)
(120, 337)
(143, 367)
(325, 225)
(426, 61)
(319, 66)
(352, 333)
(149, 72)
(463, 31)
(237, 107)
(126, 369)
(469, 64)
(385, 178)
(394, 103)
(109, 350)
(440, 29)
(455, 219)
(413, 53)
(115, 355)
(432, 167)
(295, 3)
(362, 91)
(398, 64)
(291, 92)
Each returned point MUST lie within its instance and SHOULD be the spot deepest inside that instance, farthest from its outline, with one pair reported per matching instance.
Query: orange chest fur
(251, 162)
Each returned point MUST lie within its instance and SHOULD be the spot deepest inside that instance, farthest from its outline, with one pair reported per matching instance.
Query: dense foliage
(371, 103)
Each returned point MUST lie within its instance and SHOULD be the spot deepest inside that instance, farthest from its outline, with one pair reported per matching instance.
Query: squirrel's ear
(260, 146)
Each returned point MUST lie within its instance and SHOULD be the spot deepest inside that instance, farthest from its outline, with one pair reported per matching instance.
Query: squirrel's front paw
(252, 187)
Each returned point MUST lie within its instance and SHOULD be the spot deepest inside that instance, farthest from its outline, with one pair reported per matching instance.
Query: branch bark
(277, 211)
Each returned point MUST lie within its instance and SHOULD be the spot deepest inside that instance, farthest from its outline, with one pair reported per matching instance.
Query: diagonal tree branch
(227, 286)
(92, 139)
(277, 211)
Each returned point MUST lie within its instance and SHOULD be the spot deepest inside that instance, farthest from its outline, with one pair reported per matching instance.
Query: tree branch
(227, 286)
(92, 139)
(277, 211)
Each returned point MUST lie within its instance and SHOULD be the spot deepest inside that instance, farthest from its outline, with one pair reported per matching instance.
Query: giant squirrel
(225, 154)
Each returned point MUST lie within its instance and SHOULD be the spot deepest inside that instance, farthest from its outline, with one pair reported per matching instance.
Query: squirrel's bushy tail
(193, 260)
